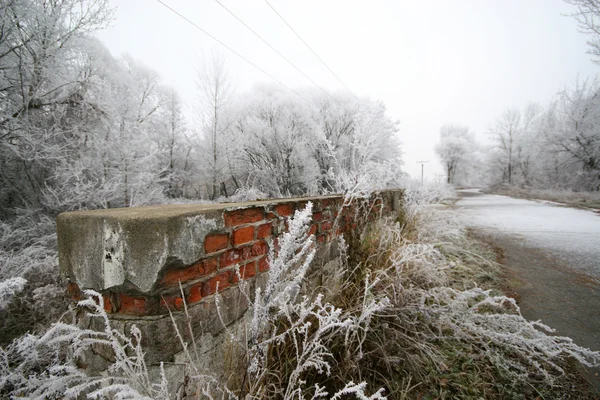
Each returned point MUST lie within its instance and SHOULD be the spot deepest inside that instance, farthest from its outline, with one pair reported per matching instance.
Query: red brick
(172, 302)
(195, 293)
(209, 265)
(247, 271)
(284, 210)
(321, 238)
(241, 217)
(260, 248)
(256, 250)
(173, 277)
(221, 280)
(215, 242)
(325, 226)
(132, 305)
(179, 303)
(313, 229)
(107, 303)
(73, 290)
(318, 216)
(243, 235)
(230, 257)
(271, 216)
(263, 264)
(264, 231)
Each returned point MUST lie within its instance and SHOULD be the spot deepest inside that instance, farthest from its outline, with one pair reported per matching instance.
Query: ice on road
(571, 234)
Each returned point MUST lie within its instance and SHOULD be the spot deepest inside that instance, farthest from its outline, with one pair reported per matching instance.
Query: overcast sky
(431, 62)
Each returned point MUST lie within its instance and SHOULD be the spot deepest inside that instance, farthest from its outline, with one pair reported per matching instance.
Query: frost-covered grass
(581, 199)
(417, 313)
(450, 331)
(28, 256)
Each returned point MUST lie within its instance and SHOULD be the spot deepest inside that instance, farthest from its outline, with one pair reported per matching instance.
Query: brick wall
(110, 250)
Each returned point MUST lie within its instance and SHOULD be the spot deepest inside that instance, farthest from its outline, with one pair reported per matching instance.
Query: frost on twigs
(303, 329)
(9, 288)
(47, 365)
(519, 347)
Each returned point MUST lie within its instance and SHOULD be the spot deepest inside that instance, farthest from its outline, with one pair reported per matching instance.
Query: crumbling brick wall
(148, 261)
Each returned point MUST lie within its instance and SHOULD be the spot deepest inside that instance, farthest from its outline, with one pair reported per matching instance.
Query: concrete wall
(138, 258)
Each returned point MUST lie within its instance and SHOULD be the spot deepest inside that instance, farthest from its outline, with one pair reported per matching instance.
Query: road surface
(552, 256)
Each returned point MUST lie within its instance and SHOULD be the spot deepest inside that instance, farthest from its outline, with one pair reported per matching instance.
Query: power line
(310, 48)
(274, 49)
(232, 50)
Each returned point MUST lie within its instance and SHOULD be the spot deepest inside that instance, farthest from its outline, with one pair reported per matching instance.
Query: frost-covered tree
(292, 147)
(215, 92)
(454, 149)
(587, 17)
(572, 132)
(505, 133)
(43, 90)
(277, 134)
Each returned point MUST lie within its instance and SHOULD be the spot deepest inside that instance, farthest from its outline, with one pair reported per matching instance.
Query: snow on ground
(572, 234)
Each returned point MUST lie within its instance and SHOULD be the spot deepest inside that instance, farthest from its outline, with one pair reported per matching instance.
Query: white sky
(431, 62)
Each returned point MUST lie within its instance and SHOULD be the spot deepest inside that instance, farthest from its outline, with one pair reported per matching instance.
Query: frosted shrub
(305, 327)
(495, 324)
(46, 366)
(246, 194)
(28, 251)
(9, 288)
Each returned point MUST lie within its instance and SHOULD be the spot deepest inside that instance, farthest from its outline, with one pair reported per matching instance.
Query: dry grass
(412, 354)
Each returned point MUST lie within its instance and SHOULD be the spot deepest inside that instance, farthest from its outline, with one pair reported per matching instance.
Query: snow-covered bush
(28, 251)
(9, 288)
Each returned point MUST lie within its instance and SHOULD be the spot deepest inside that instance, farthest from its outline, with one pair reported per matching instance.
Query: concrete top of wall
(177, 210)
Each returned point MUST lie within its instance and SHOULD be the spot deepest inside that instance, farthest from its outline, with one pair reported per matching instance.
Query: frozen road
(572, 235)
(551, 255)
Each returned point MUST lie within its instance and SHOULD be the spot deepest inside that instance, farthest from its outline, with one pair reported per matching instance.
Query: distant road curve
(572, 235)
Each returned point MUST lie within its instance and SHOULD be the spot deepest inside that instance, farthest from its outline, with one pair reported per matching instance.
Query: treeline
(556, 146)
(80, 128)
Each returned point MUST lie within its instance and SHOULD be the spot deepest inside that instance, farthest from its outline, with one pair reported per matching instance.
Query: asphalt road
(552, 257)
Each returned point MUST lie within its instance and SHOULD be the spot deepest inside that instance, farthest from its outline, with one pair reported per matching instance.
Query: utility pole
(422, 168)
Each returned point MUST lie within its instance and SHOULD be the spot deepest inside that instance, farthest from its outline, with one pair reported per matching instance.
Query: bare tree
(505, 133)
(588, 21)
(574, 133)
(454, 148)
(42, 90)
(215, 91)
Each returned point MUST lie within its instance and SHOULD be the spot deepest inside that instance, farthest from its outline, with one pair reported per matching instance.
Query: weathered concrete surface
(100, 250)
